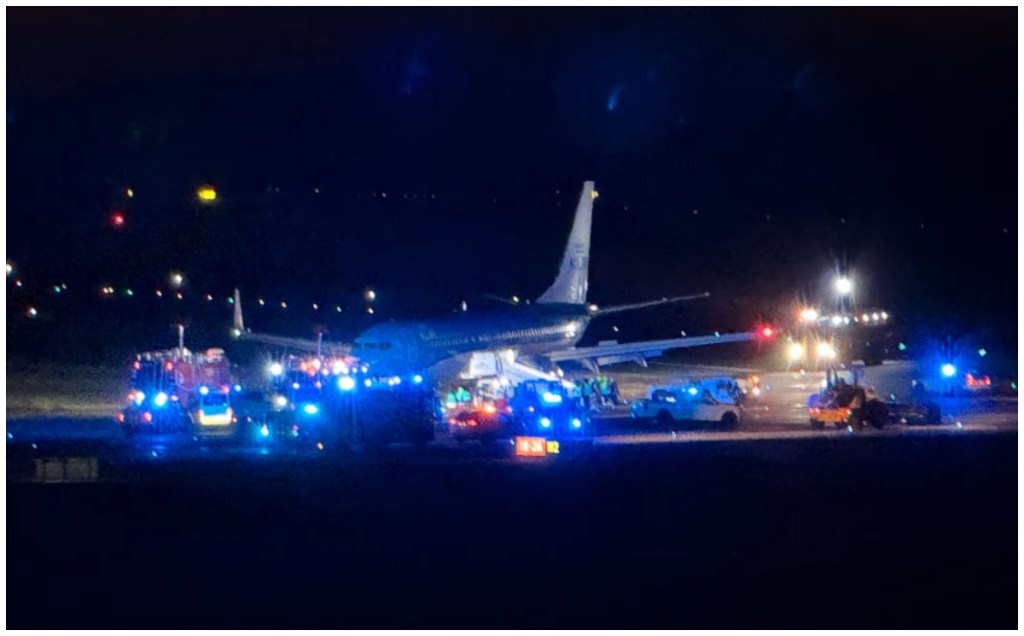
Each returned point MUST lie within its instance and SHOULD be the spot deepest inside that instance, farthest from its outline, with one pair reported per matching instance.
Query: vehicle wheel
(729, 420)
(817, 425)
(664, 418)
(875, 413)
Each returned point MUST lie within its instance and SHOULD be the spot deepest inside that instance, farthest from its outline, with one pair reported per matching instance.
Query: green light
(902, 347)
(982, 353)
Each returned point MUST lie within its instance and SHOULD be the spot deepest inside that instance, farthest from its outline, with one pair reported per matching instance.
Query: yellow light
(207, 193)
(130, 193)
(809, 315)
(594, 194)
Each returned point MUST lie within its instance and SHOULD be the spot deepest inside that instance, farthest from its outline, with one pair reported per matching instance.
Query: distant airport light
(843, 285)
(32, 312)
(982, 353)
(417, 379)
(796, 351)
(809, 314)
(280, 401)
(117, 219)
(129, 192)
(576, 423)
(370, 295)
(10, 269)
(875, 317)
(177, 279)
(275, 368)
(948, 370)
(310, 409)
(207, 194)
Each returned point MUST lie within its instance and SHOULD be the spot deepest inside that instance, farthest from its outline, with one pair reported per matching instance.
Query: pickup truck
(667, 405)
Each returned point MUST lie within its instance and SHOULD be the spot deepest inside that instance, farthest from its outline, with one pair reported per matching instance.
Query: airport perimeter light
(796, 351)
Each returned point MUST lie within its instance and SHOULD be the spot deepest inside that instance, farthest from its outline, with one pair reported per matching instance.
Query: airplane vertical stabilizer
(571, 284)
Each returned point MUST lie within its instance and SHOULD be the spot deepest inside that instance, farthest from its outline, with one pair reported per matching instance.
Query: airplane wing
(239, 331)
(614, 352)
(650, 303)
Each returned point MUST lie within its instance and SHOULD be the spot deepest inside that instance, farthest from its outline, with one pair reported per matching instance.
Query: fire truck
(179, 391)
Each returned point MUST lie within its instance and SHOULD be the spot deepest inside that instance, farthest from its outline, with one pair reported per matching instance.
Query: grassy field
(69, 390)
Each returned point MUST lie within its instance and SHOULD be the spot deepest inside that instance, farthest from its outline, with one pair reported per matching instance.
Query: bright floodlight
(948, 370)
(809, 314)
(275, 368)
(346, 383)
(177, 279)
(843, 286)
(825, 350)
(796, 351)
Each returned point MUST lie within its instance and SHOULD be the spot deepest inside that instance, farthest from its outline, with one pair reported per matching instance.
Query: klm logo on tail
(570, 286)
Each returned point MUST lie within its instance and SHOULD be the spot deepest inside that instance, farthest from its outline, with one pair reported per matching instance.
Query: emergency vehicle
(179, 390)
(711, 400)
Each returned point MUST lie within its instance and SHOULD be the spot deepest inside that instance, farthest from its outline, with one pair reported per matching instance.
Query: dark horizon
(744, 152)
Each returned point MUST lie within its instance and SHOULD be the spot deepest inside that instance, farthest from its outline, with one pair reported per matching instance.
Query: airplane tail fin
(571, 284)
(238, 324)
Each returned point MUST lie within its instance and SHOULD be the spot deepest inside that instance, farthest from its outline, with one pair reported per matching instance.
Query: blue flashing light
(204, 390)
(948, 370)
(982, 353)
(160, 400)
(417, 379)
(545, 422)
(238, 388)
(368, 382)
(346, 383)
(140, 397)
(310, 409)
(276, 368)
(550, 398)
(576, 423)
(295, 385)
(265, 431)
(692, 390)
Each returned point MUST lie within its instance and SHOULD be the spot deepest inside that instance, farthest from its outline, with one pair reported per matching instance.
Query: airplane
(538, 334)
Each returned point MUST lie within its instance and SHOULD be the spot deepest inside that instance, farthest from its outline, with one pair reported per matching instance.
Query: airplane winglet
(238, 325)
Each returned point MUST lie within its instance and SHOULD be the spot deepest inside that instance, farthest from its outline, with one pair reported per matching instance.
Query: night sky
(744, 152)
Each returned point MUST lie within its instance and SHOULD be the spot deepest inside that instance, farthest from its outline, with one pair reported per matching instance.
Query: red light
(767, 331)
(471, 422)
(120, 418)
(117, 219)
(147, 416)
(169, 366)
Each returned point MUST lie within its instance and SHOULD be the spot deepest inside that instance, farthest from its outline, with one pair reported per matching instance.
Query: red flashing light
(767, 331)
(147, 416)
(117, 219)
(169, 366)
(120, 418)
(471, 422)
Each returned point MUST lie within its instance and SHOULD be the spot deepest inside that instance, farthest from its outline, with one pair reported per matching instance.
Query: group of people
(598, 392)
